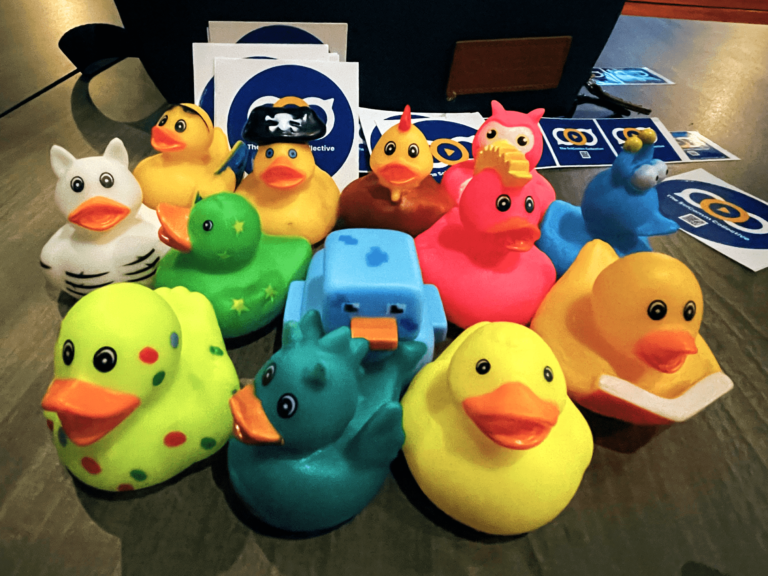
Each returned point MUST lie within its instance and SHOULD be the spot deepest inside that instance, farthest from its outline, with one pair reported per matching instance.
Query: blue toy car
(370, 280)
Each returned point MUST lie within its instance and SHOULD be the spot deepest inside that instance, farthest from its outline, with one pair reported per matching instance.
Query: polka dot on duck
(207, 443)
(49, 423)
(139, 475)
(148, 355)
(124, 488)
(90, 465)
(173, 439)
(62, 437)
(174, 340)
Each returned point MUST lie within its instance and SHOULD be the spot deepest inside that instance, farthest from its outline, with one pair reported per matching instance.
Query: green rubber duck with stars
(141, 386)
(220, 251)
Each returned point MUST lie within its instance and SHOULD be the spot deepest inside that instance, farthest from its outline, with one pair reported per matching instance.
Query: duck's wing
(380, 439)
(237, 161)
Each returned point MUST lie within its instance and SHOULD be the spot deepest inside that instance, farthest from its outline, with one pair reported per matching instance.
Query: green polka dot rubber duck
(220, 251)
(141, 386)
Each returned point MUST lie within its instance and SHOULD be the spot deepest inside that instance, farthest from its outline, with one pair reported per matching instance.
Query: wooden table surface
(688, 500)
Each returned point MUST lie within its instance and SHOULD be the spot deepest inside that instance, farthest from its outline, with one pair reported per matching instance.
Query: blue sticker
(696, 148)
(619, 129)
(577, 142)
(320, 92)
(376, 257)
(206, 97)
(715, 213)
(279, 34)
(626, 76)
(450, 142)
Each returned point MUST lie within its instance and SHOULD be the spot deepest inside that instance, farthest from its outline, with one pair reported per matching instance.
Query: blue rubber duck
(317, 430)
(370, 280)
(620, 207)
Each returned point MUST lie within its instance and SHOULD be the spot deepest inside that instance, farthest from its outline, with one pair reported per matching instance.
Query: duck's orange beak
(251, 424)
(665, 350)
(99, 214)
(516, 233)
(87, 412)
(174, 221)
(282, 174)
(513, 416)
(397, 174)
(381, 333)
(164, 140)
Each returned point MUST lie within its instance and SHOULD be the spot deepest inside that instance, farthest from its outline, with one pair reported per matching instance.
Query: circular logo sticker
(715, 213)
(318, 91)
(279, 34)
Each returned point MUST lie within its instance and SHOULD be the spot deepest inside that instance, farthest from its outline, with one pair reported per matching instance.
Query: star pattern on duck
(238, 226)
(270, 293)
(223, 255)
(238, 304)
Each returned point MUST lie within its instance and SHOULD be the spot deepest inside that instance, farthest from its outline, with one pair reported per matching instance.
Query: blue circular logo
(319, 91)
(279, 34)
(715, 213)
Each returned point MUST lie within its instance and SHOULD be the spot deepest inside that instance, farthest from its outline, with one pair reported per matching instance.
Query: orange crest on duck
(405, 119)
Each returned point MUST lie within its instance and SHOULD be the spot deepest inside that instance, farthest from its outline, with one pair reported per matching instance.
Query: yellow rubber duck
(141, 386)
(626, 331)
(293, 196)
(192, 154)
(491, 436)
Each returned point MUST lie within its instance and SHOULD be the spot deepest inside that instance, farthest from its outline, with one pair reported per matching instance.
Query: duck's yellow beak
(99, 214)
(282, 174)
(251, 425)
(665, 350)
(381, 333)
(88, 412)
(164, 140)
(513, 416)
(174, 221)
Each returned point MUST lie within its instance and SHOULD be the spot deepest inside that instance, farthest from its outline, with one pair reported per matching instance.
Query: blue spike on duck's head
(635, 168)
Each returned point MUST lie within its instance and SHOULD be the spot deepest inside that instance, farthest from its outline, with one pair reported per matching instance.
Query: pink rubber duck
(521, 131)
(481, 254)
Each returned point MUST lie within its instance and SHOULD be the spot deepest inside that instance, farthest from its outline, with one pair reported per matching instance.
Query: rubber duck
(399, 193)
(369, 280)
(220, 251)
(521, 131)
(141, 386)
(317, 430)
(620, 206)
(491, 437)
(294, 196)
(192, 161)
(109, 235)
(626, 332)
(481, 255)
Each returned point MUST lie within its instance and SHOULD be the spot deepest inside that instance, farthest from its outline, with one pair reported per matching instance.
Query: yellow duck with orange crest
(626, 331)
(192, 159)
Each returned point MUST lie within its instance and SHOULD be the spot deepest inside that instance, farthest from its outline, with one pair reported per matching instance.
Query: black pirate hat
(269, 124)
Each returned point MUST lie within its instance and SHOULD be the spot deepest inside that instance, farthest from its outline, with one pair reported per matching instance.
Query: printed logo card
(548, 159)
(203, 56)
(333, 34)
(330, 88)
(698, 148)
(719, 215)
(619, 129)
(449, 135)
(627, 77)
(577, 142)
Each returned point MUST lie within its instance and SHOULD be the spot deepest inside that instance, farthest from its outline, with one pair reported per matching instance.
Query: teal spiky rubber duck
(317, 430)
(220, 251)
(141, 386)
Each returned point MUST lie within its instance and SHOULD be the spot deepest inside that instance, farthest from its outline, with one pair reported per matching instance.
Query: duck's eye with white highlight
(106, 180)
(287, 405)
(483, 367)
(77, 184)
(180, 126)
(105, 359)
(163, 120)
(645, 177)
(269, 374)
(68, 352)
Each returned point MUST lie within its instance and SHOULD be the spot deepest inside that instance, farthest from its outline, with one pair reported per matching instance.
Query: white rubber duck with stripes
(110, 236)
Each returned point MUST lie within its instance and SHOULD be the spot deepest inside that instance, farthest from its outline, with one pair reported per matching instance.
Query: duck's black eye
(548, 375)
(657, 310)
(269, 153)
(269, 374)
(68, 352)
(163, 120)
(180, 126)
(287, 405)
(483, 366)
(389, 149)
(503, 203)
(522, 141)
(413, 150)
(529, 206)
(292, 153)
(77, 184)
(690, 310)
(351, 308)
(396, 308)
(491, 134)
(208, 225)
(106, 180)
(105, 359)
